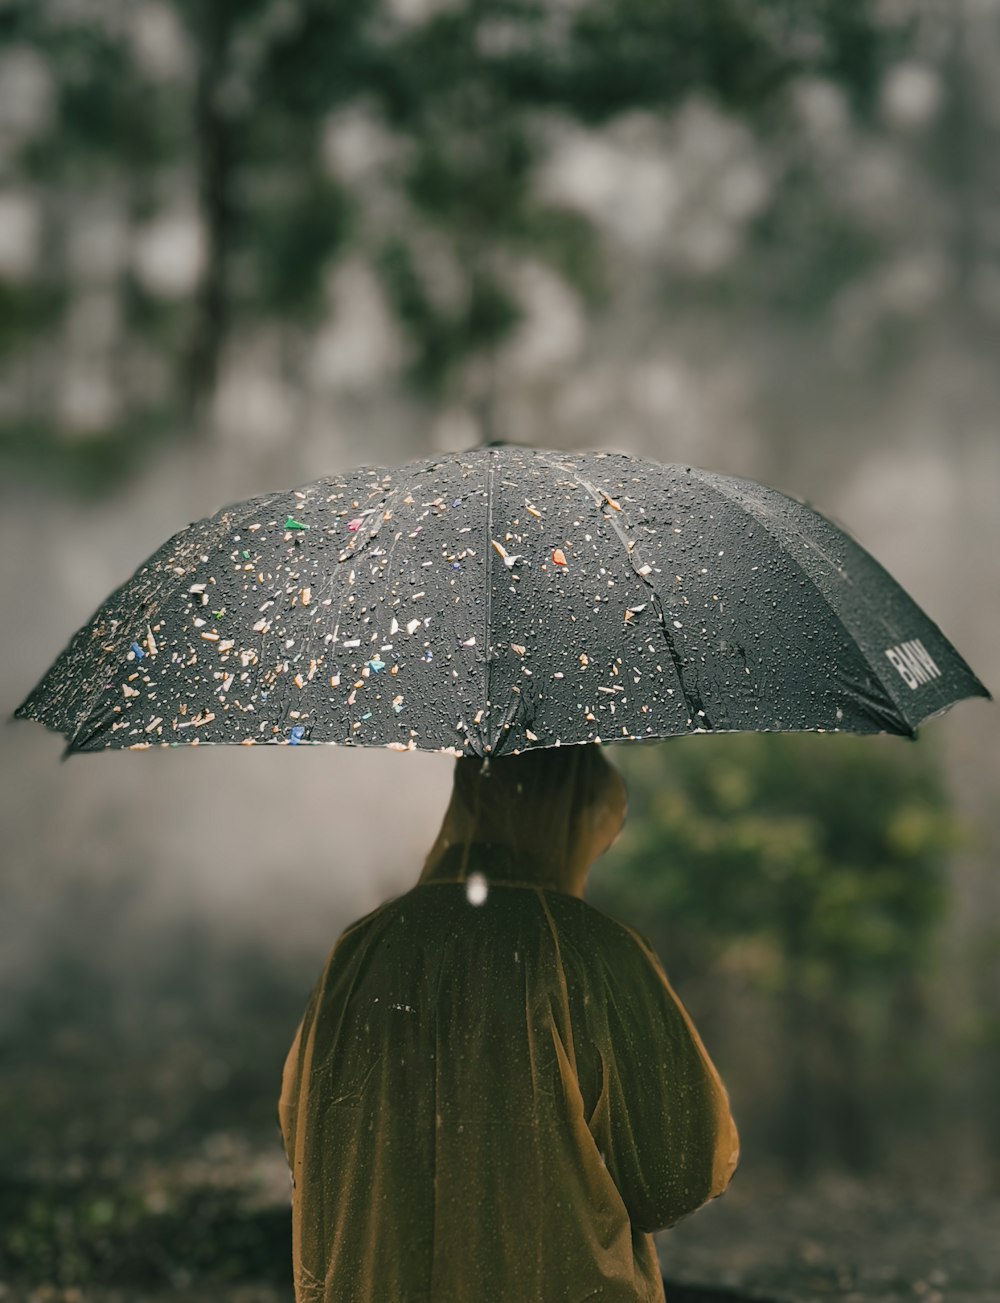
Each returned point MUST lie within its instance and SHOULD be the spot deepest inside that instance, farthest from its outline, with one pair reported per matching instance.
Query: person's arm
(661, 1108)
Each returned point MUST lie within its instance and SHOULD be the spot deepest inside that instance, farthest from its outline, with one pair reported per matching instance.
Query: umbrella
(499, 600)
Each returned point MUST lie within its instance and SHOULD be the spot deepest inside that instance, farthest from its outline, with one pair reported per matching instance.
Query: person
(494, 1095)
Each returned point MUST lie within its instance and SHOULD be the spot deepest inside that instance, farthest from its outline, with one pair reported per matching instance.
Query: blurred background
(245, 244)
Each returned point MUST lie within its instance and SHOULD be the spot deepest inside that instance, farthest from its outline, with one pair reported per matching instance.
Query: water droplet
(476, 889)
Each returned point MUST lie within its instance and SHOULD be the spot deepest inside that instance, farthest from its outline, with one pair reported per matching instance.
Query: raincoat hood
(546, 815)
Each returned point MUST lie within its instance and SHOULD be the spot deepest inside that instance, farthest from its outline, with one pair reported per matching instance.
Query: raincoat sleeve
(288, 1102)
(295, 1074)
(298, 1063)
(661, 1116)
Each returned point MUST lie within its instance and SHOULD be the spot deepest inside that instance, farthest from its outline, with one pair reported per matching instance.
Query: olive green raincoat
(495, 1100)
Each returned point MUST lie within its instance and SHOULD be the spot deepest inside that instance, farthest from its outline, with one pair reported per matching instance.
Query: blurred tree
(812, 869)
(192, 171)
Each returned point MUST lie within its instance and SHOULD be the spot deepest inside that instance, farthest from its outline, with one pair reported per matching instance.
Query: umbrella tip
(21, 712)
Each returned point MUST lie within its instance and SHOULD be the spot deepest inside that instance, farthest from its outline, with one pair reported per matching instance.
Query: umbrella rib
(491, 456)
(692, 697)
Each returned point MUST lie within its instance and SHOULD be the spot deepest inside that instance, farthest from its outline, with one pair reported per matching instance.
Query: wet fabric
(495, 1101)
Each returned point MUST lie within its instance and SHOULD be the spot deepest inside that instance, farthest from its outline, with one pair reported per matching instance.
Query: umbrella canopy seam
(488, 647)
(711, 482)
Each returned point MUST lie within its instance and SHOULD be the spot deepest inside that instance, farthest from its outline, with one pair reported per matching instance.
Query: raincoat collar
(495, 863)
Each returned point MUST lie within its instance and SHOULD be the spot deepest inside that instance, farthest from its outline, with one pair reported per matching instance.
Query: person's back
(494, 1095)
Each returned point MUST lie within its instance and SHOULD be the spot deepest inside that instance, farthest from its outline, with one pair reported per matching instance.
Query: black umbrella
(499, 600)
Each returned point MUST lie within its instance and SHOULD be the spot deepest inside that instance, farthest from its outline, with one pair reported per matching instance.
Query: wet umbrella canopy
(499, 600)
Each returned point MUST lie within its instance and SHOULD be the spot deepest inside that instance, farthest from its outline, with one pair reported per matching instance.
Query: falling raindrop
(476, 889)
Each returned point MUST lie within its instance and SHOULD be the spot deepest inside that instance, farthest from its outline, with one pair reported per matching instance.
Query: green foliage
(462, 95)
(797, 881)
(25, 311)
(109, 120)
(301, 224)
(814, 862)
